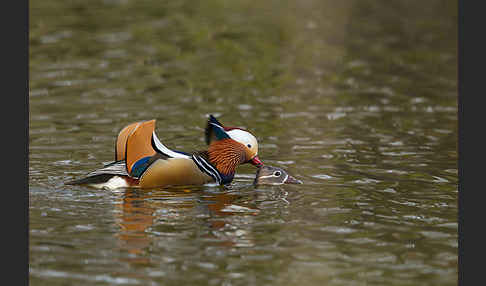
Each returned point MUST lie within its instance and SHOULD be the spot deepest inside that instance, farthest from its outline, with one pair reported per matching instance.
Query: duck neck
(226, 155)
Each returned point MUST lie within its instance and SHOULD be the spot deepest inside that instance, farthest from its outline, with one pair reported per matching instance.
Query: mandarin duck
(141, 160)
(270, 175)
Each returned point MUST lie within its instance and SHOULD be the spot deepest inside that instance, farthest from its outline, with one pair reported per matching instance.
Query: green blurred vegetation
(239, 46)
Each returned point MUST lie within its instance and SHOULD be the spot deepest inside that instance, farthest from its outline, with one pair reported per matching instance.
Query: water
(358, 99)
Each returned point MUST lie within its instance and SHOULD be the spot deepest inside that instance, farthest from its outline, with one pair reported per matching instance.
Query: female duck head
(270, 175)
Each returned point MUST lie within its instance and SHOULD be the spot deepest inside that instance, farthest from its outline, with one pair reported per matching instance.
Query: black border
(23, 77)
(16, 78)
(15, 139)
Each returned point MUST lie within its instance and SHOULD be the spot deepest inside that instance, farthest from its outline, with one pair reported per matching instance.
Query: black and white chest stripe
(207, 168)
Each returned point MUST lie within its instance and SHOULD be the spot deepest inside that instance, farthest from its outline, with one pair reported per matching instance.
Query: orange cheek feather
(226, 155)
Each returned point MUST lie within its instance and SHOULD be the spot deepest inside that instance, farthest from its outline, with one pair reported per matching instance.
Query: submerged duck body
(141, 160)
(270, 175)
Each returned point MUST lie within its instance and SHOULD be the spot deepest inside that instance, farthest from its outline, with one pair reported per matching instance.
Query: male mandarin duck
(142, 160)
(270, 175)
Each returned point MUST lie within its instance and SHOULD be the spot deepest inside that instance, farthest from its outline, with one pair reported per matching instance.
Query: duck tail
(98, 179)
(102, 175)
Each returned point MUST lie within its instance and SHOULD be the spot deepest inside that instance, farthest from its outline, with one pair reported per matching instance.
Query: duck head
(230, 146)
(269, 175)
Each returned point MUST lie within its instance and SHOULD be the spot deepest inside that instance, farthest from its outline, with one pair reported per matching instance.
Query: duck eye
(248, 145)
(277, 174)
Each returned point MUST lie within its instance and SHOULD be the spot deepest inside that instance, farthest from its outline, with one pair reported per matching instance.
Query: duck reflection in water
(134, 214)
(144, 217)
(140, 210)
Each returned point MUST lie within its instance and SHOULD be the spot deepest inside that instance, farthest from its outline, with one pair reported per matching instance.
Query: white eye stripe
(270, 176)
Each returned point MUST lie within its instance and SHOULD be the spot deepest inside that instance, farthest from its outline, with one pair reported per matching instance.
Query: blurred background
(358, 99)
